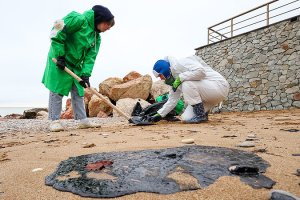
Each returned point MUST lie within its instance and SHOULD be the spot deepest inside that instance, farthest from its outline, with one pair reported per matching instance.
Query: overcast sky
(145, 31)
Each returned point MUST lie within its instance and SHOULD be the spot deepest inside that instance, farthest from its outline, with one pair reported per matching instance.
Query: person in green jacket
(75, 42)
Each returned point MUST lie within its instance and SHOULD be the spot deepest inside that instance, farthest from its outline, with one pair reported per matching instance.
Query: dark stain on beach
(155, 171)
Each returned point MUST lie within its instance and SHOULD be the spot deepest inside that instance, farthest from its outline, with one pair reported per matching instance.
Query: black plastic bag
(152, 110)
(137, 109)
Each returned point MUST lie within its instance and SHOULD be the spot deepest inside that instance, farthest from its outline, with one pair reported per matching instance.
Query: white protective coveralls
(199, 83)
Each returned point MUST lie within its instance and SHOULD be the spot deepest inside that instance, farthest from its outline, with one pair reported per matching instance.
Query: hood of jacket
(89, 15)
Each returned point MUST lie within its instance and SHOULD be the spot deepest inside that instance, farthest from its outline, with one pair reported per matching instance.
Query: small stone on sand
(37, 169)
(188, 141)
(246, 144)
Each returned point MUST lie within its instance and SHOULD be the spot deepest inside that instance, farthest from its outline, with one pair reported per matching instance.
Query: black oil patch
(157, 171)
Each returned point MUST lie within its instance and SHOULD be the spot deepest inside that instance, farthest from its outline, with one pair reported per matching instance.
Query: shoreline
(19, 110)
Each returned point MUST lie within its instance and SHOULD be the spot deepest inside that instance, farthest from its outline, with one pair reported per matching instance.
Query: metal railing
(217, 33)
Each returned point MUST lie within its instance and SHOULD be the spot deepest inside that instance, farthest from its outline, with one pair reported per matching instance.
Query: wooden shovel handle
(94, 91)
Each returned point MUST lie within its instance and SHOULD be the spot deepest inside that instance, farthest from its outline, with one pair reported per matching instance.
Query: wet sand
(21, 152)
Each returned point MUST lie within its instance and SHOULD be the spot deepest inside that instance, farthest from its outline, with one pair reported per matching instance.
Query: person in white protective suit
(201, 86)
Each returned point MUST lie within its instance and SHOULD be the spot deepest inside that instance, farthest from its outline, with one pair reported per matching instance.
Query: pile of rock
(124, 93)
(35, 113)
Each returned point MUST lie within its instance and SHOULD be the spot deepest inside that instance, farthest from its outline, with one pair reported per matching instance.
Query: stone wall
(262, 67)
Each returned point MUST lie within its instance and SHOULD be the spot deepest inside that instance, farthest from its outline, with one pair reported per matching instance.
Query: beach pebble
(188, 141)
(251, 136)
(282, 195)
(246, 144)
(37, 169)
(104, 134)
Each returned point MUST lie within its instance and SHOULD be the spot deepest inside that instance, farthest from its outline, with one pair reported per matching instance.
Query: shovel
(136, 120)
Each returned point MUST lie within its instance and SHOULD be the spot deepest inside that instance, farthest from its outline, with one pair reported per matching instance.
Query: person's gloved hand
(155, 118)
(61, 62)
(176, 83)
(85, 79)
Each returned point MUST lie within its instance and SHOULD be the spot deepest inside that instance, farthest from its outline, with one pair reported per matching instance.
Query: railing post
(268, 15)
(231, 27)
(208, 36)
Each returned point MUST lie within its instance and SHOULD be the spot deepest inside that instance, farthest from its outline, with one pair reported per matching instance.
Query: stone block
(297, 96)
(285, 46)
(292, 90)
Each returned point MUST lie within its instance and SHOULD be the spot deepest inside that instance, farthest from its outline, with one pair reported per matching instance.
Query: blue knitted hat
(162, 67)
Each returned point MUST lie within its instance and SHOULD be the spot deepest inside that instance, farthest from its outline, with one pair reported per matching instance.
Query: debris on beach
(229, 136)
(162, 171)
(89, 145)
(260, 151)
(99, 165)
(290, 130)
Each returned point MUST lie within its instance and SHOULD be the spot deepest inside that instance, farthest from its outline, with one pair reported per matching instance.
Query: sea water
(13, 110)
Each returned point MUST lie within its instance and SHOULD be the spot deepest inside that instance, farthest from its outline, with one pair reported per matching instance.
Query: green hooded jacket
(76, 41)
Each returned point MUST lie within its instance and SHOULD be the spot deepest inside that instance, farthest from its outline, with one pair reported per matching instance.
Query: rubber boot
(200, 114)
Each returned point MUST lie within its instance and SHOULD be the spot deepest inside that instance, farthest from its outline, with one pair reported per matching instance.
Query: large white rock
(159, 88)
(137, 88)
(126, 105)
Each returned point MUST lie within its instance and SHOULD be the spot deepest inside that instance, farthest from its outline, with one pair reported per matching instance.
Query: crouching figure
(201, 86)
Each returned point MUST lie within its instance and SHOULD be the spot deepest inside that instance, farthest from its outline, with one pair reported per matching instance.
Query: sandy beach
(25, 149)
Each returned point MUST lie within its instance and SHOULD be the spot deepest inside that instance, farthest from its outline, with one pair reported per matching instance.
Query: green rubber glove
(155, 118)
(176, 83)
